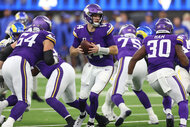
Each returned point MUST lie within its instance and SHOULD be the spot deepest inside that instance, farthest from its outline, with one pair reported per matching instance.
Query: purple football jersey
(126, 46)
(161, 51)
(30, 45)
(47, 70)
(101, 36)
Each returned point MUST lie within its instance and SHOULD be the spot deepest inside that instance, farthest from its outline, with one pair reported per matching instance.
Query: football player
(128, 44)
(161, 50)
(182, 71)
(15, 30)
(31, 47)
(62, 85)
(21, 17)
(108, 106)
(97, 72)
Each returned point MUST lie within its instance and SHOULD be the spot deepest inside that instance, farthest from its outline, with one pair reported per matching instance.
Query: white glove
(129, 80)
(4, 42)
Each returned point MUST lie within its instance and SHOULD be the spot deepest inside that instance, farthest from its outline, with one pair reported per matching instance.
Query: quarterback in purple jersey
(161, 50)
(33, 45)
(97, 72)
(128, 44)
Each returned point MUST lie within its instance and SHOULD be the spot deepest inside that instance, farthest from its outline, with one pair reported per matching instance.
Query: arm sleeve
(48, 57)
(4, 53)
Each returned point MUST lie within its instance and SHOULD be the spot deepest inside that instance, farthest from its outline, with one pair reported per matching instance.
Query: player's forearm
(113, 50)
(131, 66)
(73, 51)
(181, 56)
(1, 64)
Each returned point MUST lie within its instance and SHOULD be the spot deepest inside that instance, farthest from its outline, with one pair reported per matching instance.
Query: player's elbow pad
(48, 57)
(5, 52)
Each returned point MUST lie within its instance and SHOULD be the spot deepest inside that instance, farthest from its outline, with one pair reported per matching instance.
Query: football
(85, 45)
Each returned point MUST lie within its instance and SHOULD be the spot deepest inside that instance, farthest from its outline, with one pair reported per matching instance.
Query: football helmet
(22, 17)
(143, 31)
(90, 10)
(127, 29)
(164, 25)
(16, 29)
(42, 22)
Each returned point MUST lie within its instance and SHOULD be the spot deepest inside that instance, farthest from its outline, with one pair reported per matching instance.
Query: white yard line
(111, 123)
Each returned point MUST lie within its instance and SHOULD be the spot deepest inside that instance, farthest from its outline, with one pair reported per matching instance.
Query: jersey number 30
(154, 48)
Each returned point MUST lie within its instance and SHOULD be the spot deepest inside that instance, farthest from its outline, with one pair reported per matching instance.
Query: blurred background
(66, 14)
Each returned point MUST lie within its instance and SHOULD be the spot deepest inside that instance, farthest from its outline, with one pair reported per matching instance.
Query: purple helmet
(90, 10)
(164, 25)
(127, 29)
(42, 22)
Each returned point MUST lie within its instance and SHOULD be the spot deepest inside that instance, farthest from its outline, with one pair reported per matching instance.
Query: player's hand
(94, 48)
(129, 80)
(4, 42)
(79, 49)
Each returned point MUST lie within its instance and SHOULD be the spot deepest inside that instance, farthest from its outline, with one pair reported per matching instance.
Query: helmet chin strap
(130, 35)
(96, 24)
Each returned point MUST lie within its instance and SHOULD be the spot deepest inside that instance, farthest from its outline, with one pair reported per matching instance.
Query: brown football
(85, 45)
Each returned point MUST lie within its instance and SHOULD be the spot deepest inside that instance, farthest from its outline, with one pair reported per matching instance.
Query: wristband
(103, 51)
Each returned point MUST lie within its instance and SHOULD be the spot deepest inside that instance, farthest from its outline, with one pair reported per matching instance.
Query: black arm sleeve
(4, 53)
(48, 57)
(7, 36)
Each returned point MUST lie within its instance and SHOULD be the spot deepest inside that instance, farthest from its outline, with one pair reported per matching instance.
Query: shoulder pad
(180, 38)
(50, 36)
(109, 28)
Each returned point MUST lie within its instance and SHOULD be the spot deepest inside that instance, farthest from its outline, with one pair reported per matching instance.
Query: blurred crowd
(63, 24)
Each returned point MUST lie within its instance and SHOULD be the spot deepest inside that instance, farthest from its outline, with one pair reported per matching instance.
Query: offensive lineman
(16, 29)
(30, 48)
(161, 50)
(97, 72)
(128, 44)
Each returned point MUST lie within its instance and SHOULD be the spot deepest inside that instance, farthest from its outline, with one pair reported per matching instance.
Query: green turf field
(41, 115)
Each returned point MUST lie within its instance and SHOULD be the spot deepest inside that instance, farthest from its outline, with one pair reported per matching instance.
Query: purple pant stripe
(58, 82)
(183, 92)
(24, 80)
(118, 75)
